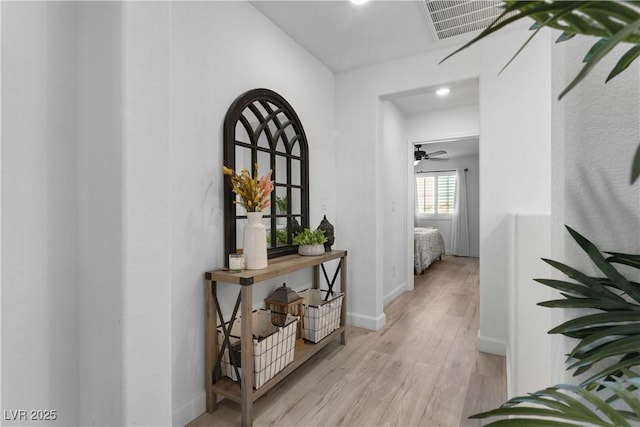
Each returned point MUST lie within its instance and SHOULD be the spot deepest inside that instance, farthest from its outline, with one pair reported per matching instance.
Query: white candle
(236, 262)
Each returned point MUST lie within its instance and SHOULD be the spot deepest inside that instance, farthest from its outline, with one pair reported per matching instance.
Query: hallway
(422, 369)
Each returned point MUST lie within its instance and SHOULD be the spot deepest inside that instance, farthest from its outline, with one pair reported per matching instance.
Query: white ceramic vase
(255, 242)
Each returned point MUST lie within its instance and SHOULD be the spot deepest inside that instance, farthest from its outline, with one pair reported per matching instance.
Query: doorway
(438, 122)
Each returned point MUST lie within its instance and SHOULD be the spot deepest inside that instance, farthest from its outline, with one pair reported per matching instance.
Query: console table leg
(211, 344)
(246, 343)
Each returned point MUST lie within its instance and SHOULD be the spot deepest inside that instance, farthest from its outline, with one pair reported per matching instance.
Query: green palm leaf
(570, 405)
(624, 62)
(612, 371)
(598, 259)
(613, 331)
(626, 259)
(607, 334)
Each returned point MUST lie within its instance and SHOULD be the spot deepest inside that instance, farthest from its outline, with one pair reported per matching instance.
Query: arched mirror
(261, 127)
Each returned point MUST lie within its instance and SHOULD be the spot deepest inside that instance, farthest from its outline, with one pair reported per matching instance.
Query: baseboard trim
(492, 346)
(190, 410)
(394, 294)
(367, 322)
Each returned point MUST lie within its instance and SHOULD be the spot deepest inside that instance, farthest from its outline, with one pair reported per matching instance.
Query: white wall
(514, 144)
(39, 216)
(445, 123)
(109, 233)
(393, 141)
(529, 350)
(213, 61)
(472, 163)
(100, 187)
(595, 134)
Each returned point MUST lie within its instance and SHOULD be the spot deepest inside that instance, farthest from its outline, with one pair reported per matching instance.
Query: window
(435, 193)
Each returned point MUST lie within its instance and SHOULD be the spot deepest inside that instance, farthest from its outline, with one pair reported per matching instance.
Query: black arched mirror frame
(261, 127)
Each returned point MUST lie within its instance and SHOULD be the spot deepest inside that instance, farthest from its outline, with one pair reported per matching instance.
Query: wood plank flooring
(422, 369)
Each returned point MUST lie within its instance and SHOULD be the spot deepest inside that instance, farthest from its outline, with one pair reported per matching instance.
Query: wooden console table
(243, 392)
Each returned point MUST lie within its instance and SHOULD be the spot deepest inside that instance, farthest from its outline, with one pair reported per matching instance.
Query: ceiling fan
(422, 155)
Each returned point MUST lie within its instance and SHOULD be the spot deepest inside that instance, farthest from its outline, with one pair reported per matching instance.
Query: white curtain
(460, 224)
(416, 219)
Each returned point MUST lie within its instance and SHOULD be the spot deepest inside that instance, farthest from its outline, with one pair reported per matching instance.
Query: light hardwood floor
(422, 369)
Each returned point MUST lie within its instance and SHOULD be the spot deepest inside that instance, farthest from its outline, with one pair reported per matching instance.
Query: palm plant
(613, 331)
(609, 337)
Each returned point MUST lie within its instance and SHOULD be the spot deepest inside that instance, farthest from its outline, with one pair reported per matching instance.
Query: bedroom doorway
(449, 126)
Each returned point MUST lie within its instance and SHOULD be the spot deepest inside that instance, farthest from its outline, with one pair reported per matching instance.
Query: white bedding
(428, 246)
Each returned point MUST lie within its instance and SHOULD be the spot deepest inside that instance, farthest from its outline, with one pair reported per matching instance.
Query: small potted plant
(310, 242)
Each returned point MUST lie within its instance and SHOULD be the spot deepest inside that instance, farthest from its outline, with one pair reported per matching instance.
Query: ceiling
(455, 148)
(463, 92)
(345, 36)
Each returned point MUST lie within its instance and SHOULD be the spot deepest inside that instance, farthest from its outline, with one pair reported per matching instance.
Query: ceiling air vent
(449, 18)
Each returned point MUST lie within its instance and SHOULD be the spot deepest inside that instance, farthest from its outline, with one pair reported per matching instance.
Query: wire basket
(273, 347)
(320, 317)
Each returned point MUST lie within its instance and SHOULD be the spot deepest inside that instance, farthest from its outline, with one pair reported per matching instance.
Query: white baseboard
(367, 322)
(190, 410)
(394, 294)
(492, 346)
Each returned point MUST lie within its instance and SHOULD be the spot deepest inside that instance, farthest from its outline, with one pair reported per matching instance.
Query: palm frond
(613, 330)
(571, 405)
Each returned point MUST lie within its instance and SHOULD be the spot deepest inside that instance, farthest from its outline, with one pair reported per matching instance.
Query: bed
(428, 246)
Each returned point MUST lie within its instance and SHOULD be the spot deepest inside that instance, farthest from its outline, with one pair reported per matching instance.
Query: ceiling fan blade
(437, 153)
(437, 159)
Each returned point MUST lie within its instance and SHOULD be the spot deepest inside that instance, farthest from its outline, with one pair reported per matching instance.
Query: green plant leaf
(596, 290)
(613, 370)
(528, 422)
(600, 53)
(539, 412)
(592, 283)
(565, 36)
(619, 347)
(571, 405)
(571, 302)
(627, 259)
(598, 259)
(592, 321)
(616, 418)
(608, 333)
(589, 56)
(624, 62)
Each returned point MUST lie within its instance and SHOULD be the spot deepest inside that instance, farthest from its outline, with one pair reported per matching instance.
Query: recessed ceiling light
(443, 91)
(358, 2)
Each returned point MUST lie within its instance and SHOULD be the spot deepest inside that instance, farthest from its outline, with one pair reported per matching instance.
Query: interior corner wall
(39, 216)
(146, 214)
(100, 188)
(595, 135)
(213, 61)
(393, 155)
(514, 158)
